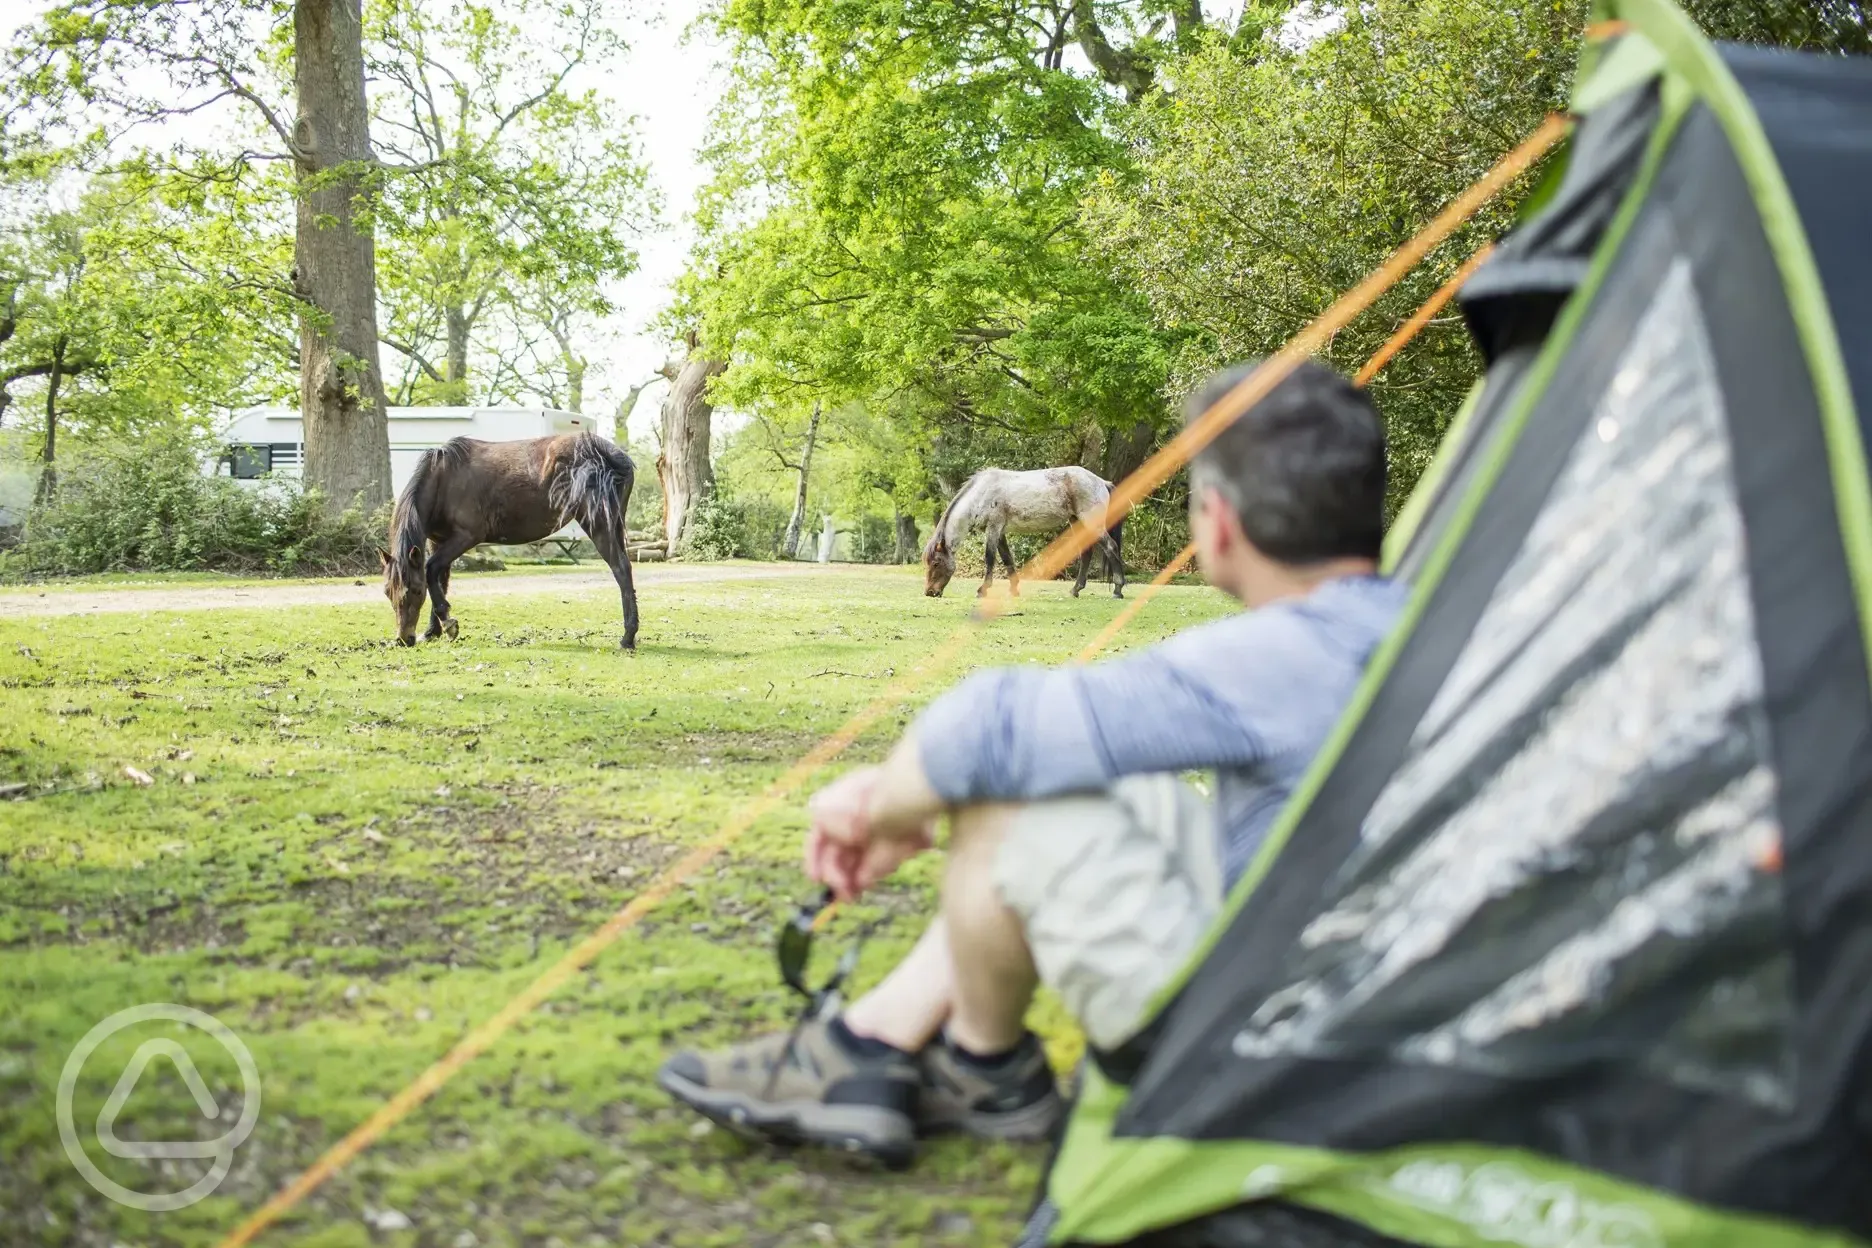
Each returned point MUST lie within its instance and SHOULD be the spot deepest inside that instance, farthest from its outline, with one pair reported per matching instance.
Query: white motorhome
(270, 441)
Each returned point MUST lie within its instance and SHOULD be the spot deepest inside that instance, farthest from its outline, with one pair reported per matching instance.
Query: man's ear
(1216, 517)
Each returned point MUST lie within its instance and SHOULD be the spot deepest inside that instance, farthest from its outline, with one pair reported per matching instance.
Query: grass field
(350, 853)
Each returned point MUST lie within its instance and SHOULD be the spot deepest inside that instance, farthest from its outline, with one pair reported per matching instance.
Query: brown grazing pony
(1044, 500)
(510, 493)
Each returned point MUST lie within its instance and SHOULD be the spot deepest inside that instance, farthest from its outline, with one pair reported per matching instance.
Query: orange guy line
(1044, 566)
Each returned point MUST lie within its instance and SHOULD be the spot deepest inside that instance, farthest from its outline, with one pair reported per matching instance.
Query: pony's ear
(384, 555)
(416, 557)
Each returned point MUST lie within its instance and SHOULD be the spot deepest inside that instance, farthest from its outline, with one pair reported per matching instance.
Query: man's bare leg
(994, 978)
(877, 1076)
(909, 1007)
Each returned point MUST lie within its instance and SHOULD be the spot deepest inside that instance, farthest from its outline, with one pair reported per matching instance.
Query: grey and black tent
(1566, 942)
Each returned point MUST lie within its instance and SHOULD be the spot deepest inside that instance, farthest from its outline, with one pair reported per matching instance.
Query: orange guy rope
(1047, 564)
(1256, 386)
(1421, 317)
(1137, 604)
(1397, 342)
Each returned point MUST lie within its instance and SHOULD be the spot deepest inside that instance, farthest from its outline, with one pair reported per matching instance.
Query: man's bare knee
(977, 831)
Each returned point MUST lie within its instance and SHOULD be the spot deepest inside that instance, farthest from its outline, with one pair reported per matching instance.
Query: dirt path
(287, 594)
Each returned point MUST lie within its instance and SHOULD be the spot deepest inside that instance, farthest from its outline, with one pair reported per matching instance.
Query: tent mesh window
(1608, 710)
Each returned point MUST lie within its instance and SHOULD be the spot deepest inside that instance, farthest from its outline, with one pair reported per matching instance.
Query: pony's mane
(941, 535)
(407, 531)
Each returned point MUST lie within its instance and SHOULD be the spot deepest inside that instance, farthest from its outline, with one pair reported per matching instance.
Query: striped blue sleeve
(1017, 734)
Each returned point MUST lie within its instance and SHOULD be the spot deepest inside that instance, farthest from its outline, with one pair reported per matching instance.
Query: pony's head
(938, 565)
(405, 587)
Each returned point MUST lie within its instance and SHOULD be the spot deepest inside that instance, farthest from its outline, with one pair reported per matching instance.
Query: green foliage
(873, 540)
(717, 529)
(733, 528)
(1813, 25)
(1269, 181)
(149, 507)
(919, 209)
(504, 197)
(158, 302)
(894, 224)
(645, 514)
(509, 199)
(1155, 533)
(763, 526)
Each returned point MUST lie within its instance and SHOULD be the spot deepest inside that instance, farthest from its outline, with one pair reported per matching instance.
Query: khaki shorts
(1114, 890)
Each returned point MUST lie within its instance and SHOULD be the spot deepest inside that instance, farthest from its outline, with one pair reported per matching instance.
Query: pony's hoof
(629, 644)
(451, 628)
(1075, 592)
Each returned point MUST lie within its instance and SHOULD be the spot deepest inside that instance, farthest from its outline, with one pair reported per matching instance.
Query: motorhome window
(251, 461)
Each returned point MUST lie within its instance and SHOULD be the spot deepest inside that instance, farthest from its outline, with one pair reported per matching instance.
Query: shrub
(726, 528)
(150, 508)
(1154, 533)
(716, 530)
(763, 527)
(874, 540)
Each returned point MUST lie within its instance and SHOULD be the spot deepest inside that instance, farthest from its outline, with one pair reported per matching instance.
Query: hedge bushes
(725, 528)
(150, 508)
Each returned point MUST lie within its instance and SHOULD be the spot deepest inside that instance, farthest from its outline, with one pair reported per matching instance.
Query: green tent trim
(1441, 1196)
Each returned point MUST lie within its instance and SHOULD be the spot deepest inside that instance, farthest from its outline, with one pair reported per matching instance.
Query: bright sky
(670, 82)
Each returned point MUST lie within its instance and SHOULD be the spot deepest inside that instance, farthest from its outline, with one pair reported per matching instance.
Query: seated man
(1077, 857)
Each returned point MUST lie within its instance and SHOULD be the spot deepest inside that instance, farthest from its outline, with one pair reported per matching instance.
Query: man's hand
(869, 822)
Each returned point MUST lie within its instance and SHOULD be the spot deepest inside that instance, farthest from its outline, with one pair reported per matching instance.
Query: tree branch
(434, 373)
(1120, 67)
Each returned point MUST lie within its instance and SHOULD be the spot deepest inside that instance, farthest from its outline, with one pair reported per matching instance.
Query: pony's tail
(594, 487)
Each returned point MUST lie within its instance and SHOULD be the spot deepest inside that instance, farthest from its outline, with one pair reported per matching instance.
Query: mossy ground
(351, 853)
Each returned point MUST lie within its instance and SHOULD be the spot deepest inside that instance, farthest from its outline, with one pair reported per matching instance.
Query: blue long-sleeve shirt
(1252, 697)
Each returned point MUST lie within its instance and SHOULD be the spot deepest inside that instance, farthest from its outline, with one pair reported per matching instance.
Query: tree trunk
(48, 456)
(789, 545)
(908, 546)
(341, 390)
(684, 467)
(575, 384)
(1127, 449)
(455, 366)
(620, 428)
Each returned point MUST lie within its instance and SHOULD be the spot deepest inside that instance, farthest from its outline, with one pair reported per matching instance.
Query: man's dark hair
(1304, 468)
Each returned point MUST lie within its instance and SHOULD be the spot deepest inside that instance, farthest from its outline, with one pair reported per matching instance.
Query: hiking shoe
(1012, 1098)
(820, 1094)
